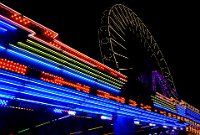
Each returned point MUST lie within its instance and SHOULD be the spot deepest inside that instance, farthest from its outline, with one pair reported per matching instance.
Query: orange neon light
(155, 110)
(169, 114)
(20, 19)
(146, 107)
(132, 103)
(163, 112)
(11, 66)
(107, 95)
(60, 81)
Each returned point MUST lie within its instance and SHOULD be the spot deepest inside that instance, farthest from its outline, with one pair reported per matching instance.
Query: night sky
(175, 27)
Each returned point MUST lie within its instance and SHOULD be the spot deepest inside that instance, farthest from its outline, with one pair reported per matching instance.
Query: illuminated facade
(36, 68)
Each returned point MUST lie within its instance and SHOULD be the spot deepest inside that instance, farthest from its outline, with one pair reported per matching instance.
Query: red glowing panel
(61, 81)
(12, 66)
(20, 19)
(49, 34)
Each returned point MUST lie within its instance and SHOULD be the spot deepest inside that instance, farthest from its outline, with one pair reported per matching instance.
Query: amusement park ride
(40, 72)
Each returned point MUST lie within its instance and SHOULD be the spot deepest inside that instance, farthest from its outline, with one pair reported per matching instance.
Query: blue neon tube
(105, 110)
(52, 93)
(40, 64)
(26, 86)
(82, 78)
(44, 96)
(33, 84)
(20, 79)
(3, 30)
(50, 98)
(7, 26)
(123, 109)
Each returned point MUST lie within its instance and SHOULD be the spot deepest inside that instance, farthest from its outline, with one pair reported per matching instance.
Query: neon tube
(67, 65)
(58, 99)
(142, 115)
(3, 30)
(25, 87)
(13, 77)
(38, 63)
(128, 110)
(50, 51)
(54, 35)
(7, 26)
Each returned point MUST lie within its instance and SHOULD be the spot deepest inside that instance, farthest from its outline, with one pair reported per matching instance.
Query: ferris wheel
(127, 45)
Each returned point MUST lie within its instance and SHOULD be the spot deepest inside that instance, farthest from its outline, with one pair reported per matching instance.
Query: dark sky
(175, 27)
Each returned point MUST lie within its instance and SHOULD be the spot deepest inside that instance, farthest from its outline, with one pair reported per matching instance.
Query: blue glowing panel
(7, 26)
(39, 92)
(3, 30)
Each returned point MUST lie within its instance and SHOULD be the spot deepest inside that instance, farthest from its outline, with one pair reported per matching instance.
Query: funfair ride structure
(36, 68)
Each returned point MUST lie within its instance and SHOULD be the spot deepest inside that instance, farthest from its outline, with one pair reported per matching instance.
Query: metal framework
(118, 22)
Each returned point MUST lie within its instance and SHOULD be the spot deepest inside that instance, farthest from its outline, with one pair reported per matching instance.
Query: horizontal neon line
(14, 54)
(60, 106)
(58, 99)
(80, 104)
(147, 118)
(143, 116)
(47, 85)
(69, 72)
(42, 103)
(143, 112)
(32, 35)
(180, 114)
(6, 25)
(85, 57)
(165, 104)
(6, 95)
(59, 92)
(165, 108)
(72, 55)
(25, 86)
(63, 63)
(3, 30)
(70, 60)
